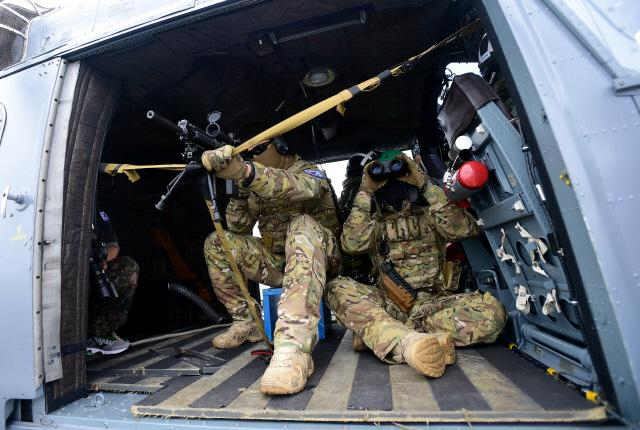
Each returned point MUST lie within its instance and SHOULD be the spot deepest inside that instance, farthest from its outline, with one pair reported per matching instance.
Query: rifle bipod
(196, 171)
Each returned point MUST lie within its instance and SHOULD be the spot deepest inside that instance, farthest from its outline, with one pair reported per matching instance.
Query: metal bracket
(488, 278)
(21, 199)
(627, 86)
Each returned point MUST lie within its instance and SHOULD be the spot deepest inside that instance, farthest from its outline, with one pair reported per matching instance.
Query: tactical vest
(275, 216)
(413, 246)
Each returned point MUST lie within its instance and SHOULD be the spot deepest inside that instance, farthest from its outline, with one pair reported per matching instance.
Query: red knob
(473, 175)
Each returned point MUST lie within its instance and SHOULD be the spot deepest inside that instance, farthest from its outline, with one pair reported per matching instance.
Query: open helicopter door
(89, 104)
(29, 105)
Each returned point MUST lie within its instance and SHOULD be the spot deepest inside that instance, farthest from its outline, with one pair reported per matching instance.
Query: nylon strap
(240, 279)
(131, 169)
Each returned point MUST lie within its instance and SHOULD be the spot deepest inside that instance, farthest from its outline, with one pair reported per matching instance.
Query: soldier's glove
(235, 169)
(217, 159)
(368, 185)
(226, 165)
(415, 176)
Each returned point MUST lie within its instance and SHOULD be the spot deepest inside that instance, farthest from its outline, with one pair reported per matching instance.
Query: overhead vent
(265, 42)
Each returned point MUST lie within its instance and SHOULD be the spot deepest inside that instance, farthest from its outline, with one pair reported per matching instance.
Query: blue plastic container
(270, 299)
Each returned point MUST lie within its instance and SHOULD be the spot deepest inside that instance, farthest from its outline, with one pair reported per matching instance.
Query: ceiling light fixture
(319, 77)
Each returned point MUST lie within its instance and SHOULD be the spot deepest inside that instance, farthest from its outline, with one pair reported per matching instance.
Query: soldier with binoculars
(412, 314)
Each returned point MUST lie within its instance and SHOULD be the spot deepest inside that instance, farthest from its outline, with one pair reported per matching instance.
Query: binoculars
(381, 169)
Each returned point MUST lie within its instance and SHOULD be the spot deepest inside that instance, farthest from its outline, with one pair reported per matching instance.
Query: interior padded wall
(94, 102)
(193, 69)
(52, 253)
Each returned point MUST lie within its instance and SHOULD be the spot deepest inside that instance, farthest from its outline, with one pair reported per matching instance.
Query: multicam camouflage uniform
(357, 267)
(108, 314)
(415, 237)
(297, 250)
(350, 188)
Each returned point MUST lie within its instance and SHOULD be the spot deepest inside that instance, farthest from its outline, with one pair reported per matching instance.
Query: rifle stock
(398, 295)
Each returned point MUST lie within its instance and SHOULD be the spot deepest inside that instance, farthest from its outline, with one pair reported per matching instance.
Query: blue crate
(270, 298)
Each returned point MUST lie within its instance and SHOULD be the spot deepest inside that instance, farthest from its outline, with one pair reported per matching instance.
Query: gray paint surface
(588, 132)
(81, 25)
(112, 410)
(92, 20)
(506, 205)
(26, 98)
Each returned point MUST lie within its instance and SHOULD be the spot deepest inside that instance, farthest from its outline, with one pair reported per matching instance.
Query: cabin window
(455, 69)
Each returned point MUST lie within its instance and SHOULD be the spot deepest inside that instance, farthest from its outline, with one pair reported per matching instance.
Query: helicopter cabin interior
(266, 62)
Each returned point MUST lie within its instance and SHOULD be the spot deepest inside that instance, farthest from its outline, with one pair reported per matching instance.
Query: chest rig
(409, 241)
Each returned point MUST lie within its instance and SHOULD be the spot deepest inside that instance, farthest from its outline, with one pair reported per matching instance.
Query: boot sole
(275, 390)
(427, 357)
(252, 339)
(449, 349)
(108, 352)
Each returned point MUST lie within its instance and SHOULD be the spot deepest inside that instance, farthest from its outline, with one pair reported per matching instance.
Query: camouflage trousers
(470, 317)
(107, 314)
(311, 254)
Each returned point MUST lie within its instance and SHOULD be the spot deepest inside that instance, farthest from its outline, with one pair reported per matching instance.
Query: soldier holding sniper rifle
(291, 201)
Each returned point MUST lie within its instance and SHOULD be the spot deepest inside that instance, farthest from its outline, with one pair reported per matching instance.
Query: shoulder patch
(104, 216)
(315, 173)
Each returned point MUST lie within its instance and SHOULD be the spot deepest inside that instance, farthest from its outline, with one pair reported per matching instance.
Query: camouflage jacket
(415, 235)
(350, 187)
(277, 195)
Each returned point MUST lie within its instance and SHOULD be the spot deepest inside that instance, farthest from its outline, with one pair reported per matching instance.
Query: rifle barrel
(155, 116)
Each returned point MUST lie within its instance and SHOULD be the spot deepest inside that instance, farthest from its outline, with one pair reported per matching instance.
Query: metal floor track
(187, 378)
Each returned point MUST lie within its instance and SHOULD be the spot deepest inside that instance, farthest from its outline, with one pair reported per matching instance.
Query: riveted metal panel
(28, 98)
(586, 138)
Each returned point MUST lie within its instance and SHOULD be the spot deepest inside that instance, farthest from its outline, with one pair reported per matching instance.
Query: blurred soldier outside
(106, 314)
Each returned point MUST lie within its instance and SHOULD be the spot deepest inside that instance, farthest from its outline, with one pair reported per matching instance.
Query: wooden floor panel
(487, 384)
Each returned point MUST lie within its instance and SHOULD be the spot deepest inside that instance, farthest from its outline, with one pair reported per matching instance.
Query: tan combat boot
(448, 347)
(357, 343)
(287, 372)
(239, 333)
(423, 353)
